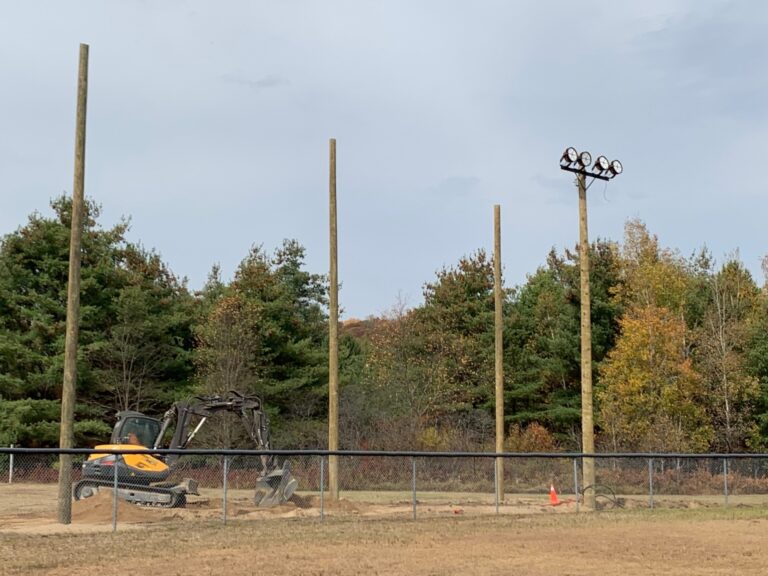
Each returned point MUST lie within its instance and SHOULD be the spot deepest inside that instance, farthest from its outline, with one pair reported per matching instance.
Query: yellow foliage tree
(652, 276)
(649, 393)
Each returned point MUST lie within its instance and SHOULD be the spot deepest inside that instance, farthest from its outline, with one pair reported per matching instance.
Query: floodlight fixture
(616, 167)
(602, 164)
(570, 155)
(585, 159)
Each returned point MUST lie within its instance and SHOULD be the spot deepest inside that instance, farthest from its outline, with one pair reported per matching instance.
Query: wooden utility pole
(73, 297)
(499, 343)
(587, 421)
(333, 338)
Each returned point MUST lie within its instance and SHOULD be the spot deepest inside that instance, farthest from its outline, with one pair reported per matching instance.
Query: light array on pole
(581, 163)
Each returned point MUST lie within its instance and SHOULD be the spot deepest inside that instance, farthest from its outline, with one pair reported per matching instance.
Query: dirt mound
(304, 501)
(98, 508)
(202, 506)
(239, 507)
(313, 501)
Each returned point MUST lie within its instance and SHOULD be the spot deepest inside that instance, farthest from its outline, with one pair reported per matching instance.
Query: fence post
(413, 479)
(10, 467)
(650, 482)
(114, 496)
(224, 499)
(576, 482)
(322, 487)
(496, 485)
(725, 480)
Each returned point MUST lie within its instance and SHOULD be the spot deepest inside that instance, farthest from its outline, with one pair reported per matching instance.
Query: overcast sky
(208, 125)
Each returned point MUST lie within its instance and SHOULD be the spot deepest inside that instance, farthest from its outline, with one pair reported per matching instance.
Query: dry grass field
(681, 537)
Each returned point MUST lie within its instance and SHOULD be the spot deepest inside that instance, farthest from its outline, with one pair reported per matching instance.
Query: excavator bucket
(275, 488)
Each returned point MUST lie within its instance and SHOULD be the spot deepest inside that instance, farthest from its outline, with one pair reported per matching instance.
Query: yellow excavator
(143, 478)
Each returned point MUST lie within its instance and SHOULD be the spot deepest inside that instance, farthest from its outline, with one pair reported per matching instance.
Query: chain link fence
(407, 485)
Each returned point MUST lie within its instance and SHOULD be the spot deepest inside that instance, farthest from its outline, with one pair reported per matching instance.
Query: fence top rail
(381, 453)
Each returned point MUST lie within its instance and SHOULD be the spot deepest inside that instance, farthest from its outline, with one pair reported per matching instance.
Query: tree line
(680, 347)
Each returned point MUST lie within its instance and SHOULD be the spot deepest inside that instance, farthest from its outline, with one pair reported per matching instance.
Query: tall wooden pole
(499, 344)
(587, 422)
(73, 298)
(333, 337)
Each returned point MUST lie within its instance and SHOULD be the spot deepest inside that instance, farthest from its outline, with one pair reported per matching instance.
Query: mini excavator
(143, 478)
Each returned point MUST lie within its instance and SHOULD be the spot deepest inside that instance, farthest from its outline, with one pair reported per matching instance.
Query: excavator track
(153, 496)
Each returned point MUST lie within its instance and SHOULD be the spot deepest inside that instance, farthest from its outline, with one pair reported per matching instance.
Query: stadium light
(581, 163)
(602, 169)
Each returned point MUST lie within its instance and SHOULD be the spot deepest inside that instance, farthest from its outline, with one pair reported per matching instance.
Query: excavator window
(140, 431)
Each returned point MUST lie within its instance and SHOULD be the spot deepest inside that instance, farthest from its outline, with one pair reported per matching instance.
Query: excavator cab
(141, 478)
(135, 428)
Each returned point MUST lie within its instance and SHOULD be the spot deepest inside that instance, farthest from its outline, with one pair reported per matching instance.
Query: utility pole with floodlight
(602, 169)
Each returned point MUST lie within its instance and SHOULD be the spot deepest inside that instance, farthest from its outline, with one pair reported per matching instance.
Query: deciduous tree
(721, 356)
(649, 393)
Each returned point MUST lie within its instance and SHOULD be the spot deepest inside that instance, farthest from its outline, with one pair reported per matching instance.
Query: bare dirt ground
(31, 508)
(681, 537)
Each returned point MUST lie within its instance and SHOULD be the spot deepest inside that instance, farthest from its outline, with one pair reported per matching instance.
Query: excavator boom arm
(277, 484)
(247, 407)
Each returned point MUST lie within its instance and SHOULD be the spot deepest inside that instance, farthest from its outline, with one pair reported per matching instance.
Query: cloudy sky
(208, 125)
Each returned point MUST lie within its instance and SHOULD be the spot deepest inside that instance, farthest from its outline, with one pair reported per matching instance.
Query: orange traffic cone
(553, 499)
